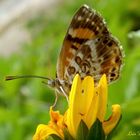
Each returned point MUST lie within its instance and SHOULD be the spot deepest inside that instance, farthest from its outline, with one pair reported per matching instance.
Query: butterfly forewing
(89, 49)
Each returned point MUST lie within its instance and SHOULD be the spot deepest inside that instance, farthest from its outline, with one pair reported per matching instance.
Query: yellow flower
(113, 120)
(88, 103)
(55, 127)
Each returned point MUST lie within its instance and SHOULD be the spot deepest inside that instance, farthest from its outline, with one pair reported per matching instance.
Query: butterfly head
(61, 86)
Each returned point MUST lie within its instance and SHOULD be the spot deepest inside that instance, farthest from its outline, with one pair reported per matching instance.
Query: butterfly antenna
(7, 78)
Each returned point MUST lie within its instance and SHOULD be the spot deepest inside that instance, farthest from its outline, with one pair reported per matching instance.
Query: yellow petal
(56, 122)
(43, 131)
(103, 93)
(72, 116)
(85, 96)
(81, 96)
(91, 115)
(113, 120)
(56, 118)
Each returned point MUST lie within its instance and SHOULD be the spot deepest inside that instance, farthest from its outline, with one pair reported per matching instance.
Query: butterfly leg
(56, 99)
(64, 93)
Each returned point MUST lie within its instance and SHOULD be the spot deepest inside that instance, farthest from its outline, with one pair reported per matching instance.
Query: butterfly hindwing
(95, 58)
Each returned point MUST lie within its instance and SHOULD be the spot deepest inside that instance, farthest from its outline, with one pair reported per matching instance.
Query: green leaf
(82, 131)
(96, 132)
(53, 137)
(67, 135)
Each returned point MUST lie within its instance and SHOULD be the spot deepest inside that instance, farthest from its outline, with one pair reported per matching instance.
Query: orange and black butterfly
(88, 49)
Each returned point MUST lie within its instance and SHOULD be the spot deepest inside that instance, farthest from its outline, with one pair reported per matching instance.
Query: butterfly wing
(89, 48)
(95, 58)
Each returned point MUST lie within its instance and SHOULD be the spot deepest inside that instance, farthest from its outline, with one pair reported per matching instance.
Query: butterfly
(88, 49)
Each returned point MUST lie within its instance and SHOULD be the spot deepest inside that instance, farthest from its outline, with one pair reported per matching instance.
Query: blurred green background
(25, 103)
